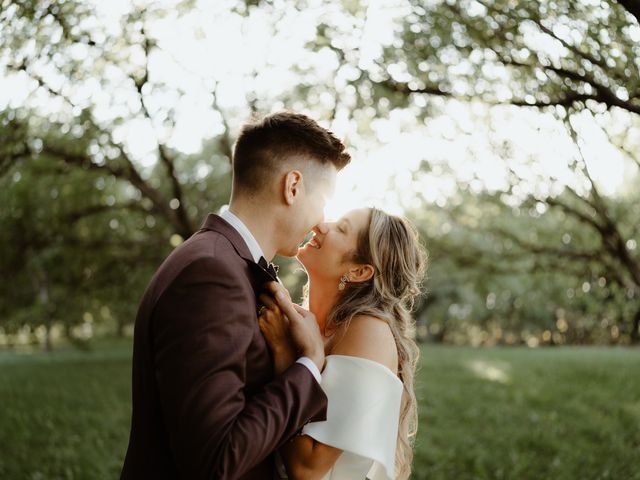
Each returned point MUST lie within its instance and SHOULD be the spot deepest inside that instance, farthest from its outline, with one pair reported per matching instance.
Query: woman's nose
(322, 228)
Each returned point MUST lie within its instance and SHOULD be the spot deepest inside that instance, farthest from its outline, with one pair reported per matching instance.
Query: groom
(206, 403)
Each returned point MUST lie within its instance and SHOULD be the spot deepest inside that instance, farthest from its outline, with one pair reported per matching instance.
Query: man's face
(308, 210)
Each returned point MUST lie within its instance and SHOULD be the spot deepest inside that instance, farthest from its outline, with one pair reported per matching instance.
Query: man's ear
(292, 186)
(361, 273)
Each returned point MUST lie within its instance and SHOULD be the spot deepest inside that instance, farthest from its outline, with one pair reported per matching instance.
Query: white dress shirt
(256, 253)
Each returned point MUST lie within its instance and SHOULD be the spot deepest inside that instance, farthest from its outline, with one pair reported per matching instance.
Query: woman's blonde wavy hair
(391, 245)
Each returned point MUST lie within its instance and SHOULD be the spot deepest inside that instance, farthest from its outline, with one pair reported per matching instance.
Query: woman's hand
(275, 328)
(303, 326)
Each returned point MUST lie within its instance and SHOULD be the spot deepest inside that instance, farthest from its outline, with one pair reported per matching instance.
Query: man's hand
(275, 328)
(303, 326)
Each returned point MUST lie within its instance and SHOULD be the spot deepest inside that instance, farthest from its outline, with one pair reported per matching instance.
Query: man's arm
(203, 327)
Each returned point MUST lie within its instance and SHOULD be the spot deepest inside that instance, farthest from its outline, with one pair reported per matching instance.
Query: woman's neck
(322, 298)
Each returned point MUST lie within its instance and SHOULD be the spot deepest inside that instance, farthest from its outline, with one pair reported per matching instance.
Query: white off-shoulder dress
(363, 413)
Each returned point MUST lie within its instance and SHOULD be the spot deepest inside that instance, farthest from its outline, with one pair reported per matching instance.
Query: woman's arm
(366, 337)
(304, 457)
(308, 459)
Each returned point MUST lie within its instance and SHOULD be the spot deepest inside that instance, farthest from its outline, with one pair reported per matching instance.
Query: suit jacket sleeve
(203, 325)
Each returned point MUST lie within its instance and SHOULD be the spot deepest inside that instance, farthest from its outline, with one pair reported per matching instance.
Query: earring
(343, 282)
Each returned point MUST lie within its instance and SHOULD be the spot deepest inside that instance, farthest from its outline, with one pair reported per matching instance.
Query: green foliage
(536, 54)
(85, 221)
(67, 247)
(515, 273)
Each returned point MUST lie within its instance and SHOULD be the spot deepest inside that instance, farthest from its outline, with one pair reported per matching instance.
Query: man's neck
(259, 224)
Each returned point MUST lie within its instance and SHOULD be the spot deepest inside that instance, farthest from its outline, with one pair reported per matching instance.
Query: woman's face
(327, 256)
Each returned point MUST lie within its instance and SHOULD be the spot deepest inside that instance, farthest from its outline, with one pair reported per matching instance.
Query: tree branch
(178, 217)
(611, 236)
(631, 6)
(545, 249)
(404, 88)
(127, 173)
(226, 143)
(185, 226)
(603, 94)
(76, 215)
(628, 153)
(572, 48)
(583, 217)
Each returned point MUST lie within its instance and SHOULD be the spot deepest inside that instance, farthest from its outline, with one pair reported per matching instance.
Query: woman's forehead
(357, 218)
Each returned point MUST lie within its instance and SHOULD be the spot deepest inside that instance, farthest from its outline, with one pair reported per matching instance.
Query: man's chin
(300, 254)
(291, 252)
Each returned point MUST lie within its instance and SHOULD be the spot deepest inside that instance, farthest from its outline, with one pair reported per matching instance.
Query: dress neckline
(370, 362)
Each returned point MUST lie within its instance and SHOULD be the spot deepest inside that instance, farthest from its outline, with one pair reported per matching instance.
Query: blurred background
(507, 131)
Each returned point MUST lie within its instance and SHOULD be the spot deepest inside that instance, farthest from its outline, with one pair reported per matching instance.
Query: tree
(499, 275)
(566, 58)
(67, 51)
(86, 222)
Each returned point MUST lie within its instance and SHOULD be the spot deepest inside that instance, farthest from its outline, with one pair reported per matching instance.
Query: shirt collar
(245, 233)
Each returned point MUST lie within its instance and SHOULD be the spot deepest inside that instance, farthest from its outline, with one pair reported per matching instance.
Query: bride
(364, 274)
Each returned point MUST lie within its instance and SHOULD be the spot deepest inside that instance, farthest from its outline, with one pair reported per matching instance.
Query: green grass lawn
(512, 413)
(519, 413)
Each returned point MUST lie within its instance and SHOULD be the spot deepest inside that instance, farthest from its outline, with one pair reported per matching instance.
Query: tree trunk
(68, 333)
(48, 346)
(120, 327)
(635, 327)
(41, 283)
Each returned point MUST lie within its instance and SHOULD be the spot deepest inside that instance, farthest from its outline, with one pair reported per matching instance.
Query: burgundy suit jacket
(206, 403)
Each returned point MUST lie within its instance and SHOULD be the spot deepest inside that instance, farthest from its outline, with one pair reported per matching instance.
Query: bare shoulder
(368, 337)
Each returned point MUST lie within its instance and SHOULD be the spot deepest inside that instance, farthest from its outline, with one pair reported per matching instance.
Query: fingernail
(281, 296)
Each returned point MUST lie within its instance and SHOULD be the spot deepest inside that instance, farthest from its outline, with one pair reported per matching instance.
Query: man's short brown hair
(264, 144)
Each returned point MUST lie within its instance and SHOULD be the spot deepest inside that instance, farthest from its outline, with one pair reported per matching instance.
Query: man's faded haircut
(265, 144)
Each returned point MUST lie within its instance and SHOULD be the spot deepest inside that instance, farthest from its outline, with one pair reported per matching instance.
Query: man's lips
(314, 243)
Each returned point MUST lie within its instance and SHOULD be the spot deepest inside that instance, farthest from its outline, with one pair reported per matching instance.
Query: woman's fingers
(286, 305)
(274, 287)
(304, 330)
(301, 310)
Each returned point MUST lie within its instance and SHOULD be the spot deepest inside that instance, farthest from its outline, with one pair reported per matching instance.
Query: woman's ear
(292, 186)
(360, 273)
